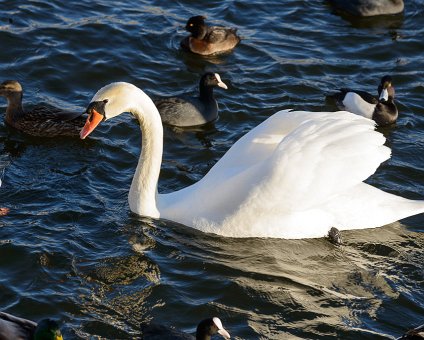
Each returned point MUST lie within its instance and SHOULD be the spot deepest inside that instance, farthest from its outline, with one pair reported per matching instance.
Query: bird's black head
(211, 79)
(209, 327)
(196, 25)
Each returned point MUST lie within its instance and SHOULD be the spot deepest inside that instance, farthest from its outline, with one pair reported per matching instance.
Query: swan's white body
(296, 175)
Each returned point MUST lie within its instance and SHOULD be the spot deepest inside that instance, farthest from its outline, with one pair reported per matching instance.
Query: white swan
(296, 175)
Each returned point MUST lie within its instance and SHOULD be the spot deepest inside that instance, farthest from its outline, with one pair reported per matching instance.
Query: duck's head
(10, 88)
(196, 25)
(209, 327)
(212, 79)
(110, 101)
(386, 89)
(47, 329)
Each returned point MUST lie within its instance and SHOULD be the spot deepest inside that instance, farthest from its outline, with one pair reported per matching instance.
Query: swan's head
(110, 101)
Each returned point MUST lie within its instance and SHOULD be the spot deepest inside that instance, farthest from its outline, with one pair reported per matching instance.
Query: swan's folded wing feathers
(282, 187)
(323, 157)
(259, 143)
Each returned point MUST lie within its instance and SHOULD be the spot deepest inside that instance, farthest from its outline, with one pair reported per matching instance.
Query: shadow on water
(161, 268)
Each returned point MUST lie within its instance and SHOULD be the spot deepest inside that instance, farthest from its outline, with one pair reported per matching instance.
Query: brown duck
(206, 40)
(41, 120)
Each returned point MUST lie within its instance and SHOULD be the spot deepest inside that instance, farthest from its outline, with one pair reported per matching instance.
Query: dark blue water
(71, 249)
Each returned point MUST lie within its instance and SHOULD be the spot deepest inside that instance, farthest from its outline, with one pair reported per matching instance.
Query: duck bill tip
(223, 85)
(224, 333)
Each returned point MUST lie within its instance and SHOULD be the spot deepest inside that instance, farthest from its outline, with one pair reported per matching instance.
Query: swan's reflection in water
(300, 287)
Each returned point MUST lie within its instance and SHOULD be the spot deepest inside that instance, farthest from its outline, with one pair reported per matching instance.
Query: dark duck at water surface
(382, 110)
(41, 120)
(205, 330)
(207, 40)
(13, 327)
(367, 8)
(187, 111)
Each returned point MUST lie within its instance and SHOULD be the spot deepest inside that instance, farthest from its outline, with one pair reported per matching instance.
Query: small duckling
(42, 120)
(207, 40)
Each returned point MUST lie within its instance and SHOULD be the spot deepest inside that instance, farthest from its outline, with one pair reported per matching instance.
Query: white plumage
(353, 102)
(296, 175)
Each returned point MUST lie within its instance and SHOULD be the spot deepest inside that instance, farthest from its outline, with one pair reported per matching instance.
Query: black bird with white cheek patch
(382, 110)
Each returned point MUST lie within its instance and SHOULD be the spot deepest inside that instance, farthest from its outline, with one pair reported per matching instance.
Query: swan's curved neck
(143, 191)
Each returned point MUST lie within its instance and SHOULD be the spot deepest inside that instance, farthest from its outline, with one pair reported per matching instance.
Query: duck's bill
(224, 333)
(384, 95)
(220, 82)
(94, 119)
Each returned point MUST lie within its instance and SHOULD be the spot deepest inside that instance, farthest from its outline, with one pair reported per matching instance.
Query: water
(71, 249)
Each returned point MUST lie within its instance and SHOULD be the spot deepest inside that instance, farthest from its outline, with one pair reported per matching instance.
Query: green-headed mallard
(12, 327)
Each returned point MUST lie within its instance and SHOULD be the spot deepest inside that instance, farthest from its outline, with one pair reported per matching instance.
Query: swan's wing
(291, 164)
(364, 206)
(260, 142)
(324, 156)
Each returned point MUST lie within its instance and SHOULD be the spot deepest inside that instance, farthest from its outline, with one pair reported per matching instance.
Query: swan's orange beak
(94, 119)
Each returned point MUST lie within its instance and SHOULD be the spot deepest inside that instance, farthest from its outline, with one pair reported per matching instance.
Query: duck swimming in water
(205, 330)
(382, 110)
(207, 40)
(185, 111)
(13, 327)
(41, 120)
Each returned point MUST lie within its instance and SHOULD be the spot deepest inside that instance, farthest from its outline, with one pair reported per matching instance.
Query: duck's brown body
(207, 40)
(41, 120)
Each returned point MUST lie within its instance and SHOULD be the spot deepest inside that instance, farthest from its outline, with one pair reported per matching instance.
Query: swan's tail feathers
(370, 207)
